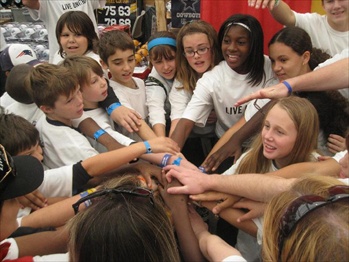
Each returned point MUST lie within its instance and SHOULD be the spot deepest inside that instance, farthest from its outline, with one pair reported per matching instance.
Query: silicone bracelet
(111, 108)
(289, 88)
(165, 159)
(147, 147)
(177, 161)
(202, 169)
(98, 133)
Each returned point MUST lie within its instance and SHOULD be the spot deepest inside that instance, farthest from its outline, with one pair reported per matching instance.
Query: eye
(189, 52)
(242, 42)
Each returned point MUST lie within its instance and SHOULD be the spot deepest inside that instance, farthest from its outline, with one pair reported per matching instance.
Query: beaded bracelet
(111, 108)
(147, 147)
(289, 88)
(98, 133)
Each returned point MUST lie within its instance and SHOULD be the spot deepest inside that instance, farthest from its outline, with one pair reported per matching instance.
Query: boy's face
(66, 108)
(336, 11)
(96, 89)
(121, 66)
(35, 151)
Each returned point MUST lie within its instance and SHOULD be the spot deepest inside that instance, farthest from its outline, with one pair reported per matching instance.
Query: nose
(166, 65)
(232, 46)
(71, 38)
(336, 3)
(79, 97)
(276, 66)
(268, 135)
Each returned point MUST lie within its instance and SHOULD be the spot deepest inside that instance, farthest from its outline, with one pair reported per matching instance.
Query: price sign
(118, 13)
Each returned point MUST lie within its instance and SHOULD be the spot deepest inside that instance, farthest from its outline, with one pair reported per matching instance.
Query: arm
(32, 4)
(278, 9)
(182, 131)
(89, 127)
(330, 77)
(159, 129)
(145, 132)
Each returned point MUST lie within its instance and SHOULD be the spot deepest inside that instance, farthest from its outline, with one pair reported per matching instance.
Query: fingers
(246, 99)
(248, 216)
(336, 143)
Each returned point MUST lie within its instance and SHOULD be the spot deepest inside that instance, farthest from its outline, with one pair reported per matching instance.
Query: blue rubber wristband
(111, 108)
(177, 161)
(202, 169)
(98, 133)
(147, 147)
(289, 88)
(165, 159)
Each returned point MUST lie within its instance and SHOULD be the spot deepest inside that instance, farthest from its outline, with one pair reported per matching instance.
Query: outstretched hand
(262, 3)
(164, 145)
(34, 200)
(256, 209)
(128, 118)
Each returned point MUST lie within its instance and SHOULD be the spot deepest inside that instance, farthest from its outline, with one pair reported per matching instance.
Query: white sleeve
(339, 155)
(179, 99)
(234, 258)
(156, 98)
(13, 251)
(58, 182)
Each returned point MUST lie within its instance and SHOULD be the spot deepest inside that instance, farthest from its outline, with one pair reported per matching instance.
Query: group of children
(92, 116)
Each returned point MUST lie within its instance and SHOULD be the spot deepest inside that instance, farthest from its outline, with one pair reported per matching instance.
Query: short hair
(305, 118)
(112, 40)
(299, 41)
(17, 83)
(185, 74)
(321, 235)
(254, 64)
(162, 51)
(17, 134)
(48, 82)
(81, 66)
(138, 230)
(80, 23)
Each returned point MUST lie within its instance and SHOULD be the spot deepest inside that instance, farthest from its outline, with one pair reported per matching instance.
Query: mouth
(233, 58)
(269, 148)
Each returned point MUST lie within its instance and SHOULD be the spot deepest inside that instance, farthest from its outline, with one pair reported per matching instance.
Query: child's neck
(130, 84)
(65, 121)
(90, 105)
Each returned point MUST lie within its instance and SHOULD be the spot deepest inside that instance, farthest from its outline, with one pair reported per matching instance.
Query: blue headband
(161, 41)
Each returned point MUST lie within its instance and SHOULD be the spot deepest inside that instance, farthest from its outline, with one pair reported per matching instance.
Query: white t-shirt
(63, 145)
(134, 99)
(50, 12)
(157, 98)
(322, 35)
(219, 89)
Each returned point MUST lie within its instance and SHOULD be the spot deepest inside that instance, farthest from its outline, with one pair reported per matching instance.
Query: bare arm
(145, 132)
(32, 4)
(330, 77)
(182, 131)
(159, 129)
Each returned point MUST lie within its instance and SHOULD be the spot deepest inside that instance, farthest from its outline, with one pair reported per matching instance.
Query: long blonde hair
(321, 235)
(305, 118)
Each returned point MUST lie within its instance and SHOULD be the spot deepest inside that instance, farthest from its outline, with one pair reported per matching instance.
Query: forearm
(328, 167)
(145, 132)
(330, 77)
(89, 128)
(283, 14)
(182, 131)
(43, 243)
(159, 129)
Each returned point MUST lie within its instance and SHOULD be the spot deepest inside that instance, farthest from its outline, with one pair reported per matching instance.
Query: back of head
(16, 54)
(300, 42)
(112, 40)
(17, 83)
(48, 82)
(319, 234)
(81, 66)
(185, 73)
(17, 134)
(255, 63)
(79, 23)
(123, 227)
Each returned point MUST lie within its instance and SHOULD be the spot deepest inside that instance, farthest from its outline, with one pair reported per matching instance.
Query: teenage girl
(243, 70)
(162, 54)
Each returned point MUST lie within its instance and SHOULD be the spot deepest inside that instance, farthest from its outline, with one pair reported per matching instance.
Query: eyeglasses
(136, 191)
(199, 51)
(7, 165)
(302, 206)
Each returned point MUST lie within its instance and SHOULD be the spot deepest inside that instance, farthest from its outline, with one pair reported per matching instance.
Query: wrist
(112, 107)
(288, 86)
(177, 161)
(98, 133)
(147, 147)
(165, 159)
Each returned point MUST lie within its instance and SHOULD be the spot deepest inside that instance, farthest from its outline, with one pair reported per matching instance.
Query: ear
(104, 65)
(306, 57)
(46, 109)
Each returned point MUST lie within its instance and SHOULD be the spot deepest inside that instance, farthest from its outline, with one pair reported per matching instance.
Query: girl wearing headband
(162, 53)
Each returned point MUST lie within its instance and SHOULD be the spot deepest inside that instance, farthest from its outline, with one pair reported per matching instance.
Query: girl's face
(72, 43)
(286, 63)
(236, 48)
(121, 66)
(193, 43)
(35, 151)
(166, 68)
(279, 135)
(96, 90)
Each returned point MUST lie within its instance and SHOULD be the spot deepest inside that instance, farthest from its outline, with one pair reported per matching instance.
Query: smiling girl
(76, 36)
